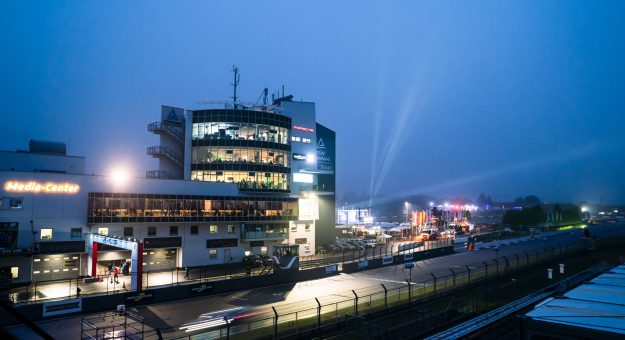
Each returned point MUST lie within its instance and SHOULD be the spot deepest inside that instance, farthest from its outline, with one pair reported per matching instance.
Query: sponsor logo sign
(62, 307)
(363, 264)
(299, 156)
(407, 257)
(302, 128)
(386, 260)
(202, 288)
(37, 187)
(333, 268)
(139, 297)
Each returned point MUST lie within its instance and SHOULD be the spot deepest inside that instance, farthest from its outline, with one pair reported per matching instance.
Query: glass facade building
(121, 208)
(248, 147)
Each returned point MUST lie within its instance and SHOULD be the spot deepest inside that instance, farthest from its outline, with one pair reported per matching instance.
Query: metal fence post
(318, 313)
(434, 277)
(485, 268)
(517, 260)
(507, 268)
(355, 302)
(527, 259)
(275, 323)
(385, 296)
(469, 272)
(453, 275)
(227, 328)
(409, 291)
(497, 263)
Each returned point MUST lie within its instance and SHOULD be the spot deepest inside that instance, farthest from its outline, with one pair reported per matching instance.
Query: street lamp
(119, 176)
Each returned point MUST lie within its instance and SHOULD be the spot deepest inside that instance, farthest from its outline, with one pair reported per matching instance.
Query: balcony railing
(159, 174)
(255, 235)
(161, 127)
(165, 152)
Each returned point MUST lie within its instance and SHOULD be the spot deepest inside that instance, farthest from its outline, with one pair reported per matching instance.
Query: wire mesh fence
(304, 316)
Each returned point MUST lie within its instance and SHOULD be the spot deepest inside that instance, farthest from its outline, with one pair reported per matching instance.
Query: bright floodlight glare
(310, 158)
(119, 175)
(584, 209)
(431, 204)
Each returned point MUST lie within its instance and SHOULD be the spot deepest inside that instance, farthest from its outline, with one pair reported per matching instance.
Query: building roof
(598, 304)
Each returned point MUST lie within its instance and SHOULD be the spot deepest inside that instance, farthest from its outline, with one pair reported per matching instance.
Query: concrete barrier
(98, 303)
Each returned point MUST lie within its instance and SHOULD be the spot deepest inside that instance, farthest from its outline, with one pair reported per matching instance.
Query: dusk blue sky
(442, 98)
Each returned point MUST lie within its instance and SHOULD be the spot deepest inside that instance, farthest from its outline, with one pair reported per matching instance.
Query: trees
(524, 217)
(527, 201)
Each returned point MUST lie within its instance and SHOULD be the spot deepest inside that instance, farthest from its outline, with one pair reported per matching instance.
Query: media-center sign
(37, 187)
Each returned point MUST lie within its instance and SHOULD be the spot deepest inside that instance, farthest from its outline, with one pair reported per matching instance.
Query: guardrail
(379, 252)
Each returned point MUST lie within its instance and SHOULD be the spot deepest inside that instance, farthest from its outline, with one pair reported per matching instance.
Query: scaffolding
(116, 325)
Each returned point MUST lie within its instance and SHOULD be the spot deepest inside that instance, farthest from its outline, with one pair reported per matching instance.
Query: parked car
(361, 243)
(266, 260)
(344, 246)
(370, 243)
(252, 261)
(429, 235)
(355, 245)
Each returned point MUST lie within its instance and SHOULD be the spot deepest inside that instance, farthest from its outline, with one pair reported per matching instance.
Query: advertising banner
(386, 260)
(139, 297)
(363, 264)
(202, 288)
(62, 307)
(326, 140)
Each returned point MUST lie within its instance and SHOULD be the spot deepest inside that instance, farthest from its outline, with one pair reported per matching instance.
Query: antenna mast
(237, 78)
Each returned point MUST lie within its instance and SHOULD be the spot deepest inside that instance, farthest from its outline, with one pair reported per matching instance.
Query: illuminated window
(46, 233)
(15, 272)
(212, 253)
(76, 233)
(213, 229)
(16, 203)
(231, 229)
(103, 231)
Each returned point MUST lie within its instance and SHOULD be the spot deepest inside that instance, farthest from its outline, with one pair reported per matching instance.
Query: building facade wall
(68, 216)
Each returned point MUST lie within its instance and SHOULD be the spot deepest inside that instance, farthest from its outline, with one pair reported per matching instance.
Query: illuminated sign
(36, 187)
(299, 177)
(299, 156)
(308, 208)
(301, 128)
(352, 216)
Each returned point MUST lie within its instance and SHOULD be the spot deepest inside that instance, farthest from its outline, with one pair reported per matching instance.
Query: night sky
(441, 98)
